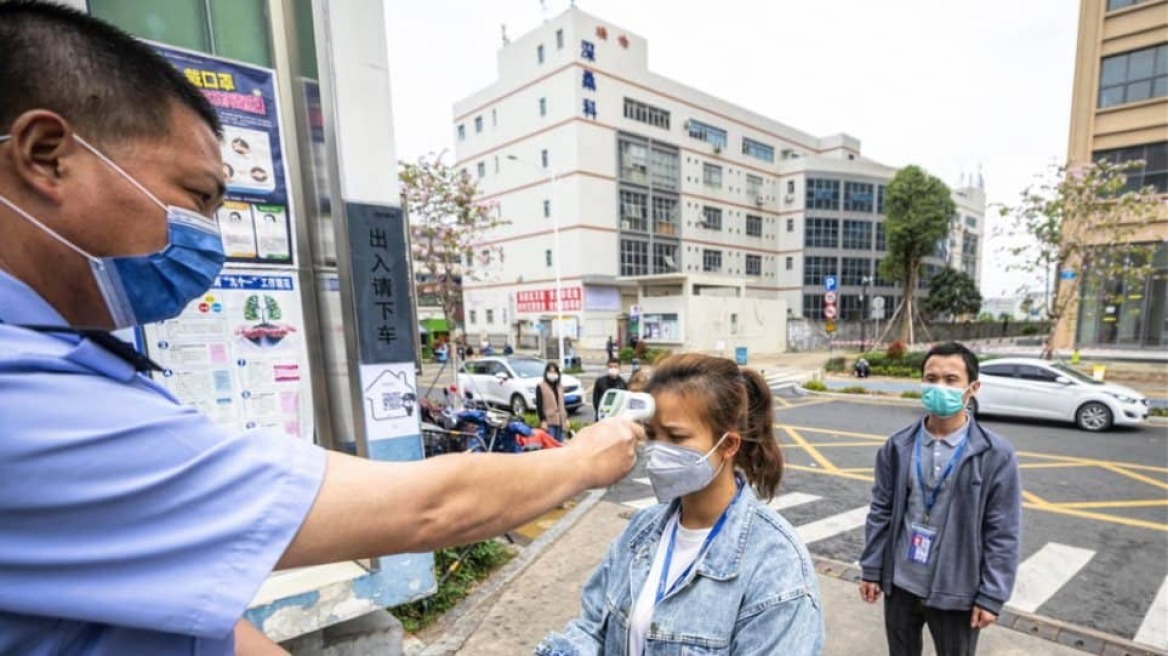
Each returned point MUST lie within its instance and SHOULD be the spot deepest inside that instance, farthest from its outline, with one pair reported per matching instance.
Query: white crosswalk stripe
(792, 499)
(1154, 629)
(642, 481)
(834, 525)
(1042, 575)
(642, 503)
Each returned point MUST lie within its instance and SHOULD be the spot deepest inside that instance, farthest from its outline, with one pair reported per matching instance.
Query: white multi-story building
(682, 218)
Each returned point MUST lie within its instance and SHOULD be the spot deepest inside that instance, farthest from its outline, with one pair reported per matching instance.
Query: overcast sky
(947, 84)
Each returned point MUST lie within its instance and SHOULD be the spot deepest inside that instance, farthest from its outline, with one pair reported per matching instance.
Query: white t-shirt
(685, 551)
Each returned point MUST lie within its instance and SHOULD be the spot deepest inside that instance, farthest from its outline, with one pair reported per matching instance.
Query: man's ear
(38, 149)
(975, 387)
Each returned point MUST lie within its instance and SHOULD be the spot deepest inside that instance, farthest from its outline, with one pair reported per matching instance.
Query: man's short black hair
(107, 84)
(615, 361)
(954, 348)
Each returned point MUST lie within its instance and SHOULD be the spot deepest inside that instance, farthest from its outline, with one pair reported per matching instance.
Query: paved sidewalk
(546, 595)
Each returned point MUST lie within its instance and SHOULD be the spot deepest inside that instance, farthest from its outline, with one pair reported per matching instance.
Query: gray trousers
(905, 615)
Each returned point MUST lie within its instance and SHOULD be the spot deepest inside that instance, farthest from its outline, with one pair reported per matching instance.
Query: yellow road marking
(784, 402)
(812, 451)
(816, 470)
(1035, 499)
(1092, 461)
(1141, 503)
(857, 470)
(809, 402)
(1054, 465)
(1139, 477)
(832, 431)
(828, 445)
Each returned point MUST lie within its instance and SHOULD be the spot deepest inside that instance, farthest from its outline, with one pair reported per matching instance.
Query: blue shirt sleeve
(119, 506)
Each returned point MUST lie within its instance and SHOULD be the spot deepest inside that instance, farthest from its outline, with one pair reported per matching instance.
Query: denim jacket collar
(725, 554)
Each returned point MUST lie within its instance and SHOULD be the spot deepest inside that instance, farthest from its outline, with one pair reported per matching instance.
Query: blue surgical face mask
(675, 471)
(941, 401)
(141, 289)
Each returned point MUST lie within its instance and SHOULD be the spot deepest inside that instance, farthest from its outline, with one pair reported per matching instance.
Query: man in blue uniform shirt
(129, 524)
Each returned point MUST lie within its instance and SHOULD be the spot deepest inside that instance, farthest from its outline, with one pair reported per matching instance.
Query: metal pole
(559, 283)
(863, 312)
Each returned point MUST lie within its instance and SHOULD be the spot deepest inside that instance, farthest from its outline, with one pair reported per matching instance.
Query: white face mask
(553, 378)
(675, 471)
(613, 371)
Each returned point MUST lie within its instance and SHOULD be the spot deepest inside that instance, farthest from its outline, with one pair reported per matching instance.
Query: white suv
(511, 382)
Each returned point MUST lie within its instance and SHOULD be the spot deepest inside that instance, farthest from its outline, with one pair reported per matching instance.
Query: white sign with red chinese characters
(534, 301)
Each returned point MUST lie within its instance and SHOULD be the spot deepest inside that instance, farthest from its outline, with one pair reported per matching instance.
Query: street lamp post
(556, 254)
(864, 312)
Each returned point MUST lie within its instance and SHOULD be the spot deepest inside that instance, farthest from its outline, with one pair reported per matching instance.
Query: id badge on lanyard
(922, 536)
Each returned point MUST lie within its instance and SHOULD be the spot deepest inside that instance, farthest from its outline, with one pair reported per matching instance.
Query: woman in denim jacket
(710, 570)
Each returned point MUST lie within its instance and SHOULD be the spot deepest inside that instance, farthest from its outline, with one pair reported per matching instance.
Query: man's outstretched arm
(367, 508)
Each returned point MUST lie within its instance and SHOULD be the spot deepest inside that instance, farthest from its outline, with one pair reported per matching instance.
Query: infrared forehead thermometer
(636, 406)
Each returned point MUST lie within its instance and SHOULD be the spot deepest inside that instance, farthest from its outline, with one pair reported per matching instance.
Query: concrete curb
(1077, 637)
(457, 624)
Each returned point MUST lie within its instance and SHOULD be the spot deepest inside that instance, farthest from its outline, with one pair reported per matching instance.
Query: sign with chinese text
(381, 283)
(237, 354)
(255, 220)
(544, 300)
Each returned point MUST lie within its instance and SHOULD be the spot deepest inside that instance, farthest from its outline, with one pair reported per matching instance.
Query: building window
(461, 132)
(645, 113)
(754, 265)
(857, 197)
(559, 39)
(790, 225)
(543, 106)
(664, 168)
(813, 306)
(634, 211)
(482, 169)
(857, 235)
(547, 256)
(823, 194)
(1112, 5)
(665, 258)
(478, 125)
(236, 30)
(707, 133)
(543, 158)
(634, 162)
(473, 317)
(494, 118)
(1134, 76)
(790, 186)
(547, 209)
(665, 216)
(711, 218)
(790, 263)
(850, 308)
(821, 233)
(753, 186)
(712, 175)
(758, 150)
(539, 53)
(490, 316)
(880, 199)
(753, 225)
(711, 260)
(970, 221)
(634, 258)
(1154, 172)
(853, 270)
(816, 268)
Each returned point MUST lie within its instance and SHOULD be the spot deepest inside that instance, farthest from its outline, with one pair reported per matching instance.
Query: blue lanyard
(661, 591)
(930, 494)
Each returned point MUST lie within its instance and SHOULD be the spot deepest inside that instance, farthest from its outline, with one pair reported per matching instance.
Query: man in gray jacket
(945, 524)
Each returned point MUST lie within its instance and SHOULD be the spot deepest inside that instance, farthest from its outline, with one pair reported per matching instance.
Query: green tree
(952, 293)
(1080, 219)
(919, 207)
(448, 228)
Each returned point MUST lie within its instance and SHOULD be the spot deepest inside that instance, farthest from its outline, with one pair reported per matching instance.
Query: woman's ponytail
(760, 457)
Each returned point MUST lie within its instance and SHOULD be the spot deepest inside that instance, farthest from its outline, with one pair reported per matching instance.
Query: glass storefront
(1126, 313)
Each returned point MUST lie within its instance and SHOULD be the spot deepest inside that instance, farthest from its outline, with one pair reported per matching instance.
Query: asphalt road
(1095, 519)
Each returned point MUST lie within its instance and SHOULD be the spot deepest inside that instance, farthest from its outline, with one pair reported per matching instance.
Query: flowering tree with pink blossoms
(449, 231)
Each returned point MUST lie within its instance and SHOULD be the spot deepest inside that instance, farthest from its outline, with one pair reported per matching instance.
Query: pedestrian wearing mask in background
(945, 524)
(711, 567)
(549, 402)
(129, 522)
(612, 380)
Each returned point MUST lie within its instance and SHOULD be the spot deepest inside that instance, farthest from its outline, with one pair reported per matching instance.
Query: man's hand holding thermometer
(608, 448)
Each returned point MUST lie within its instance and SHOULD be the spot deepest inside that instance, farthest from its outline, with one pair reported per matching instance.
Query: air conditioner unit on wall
(717, 149)
(625, 225)
(789, 198)
(758, 200)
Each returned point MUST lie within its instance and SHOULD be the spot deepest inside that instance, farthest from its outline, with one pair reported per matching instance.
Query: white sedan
(1040, 389)
(511, 382)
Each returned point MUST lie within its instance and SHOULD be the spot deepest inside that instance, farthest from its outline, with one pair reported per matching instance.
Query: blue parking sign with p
(830, 283)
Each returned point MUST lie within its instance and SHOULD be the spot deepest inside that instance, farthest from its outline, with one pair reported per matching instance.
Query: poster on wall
(390, 400)
(255, 220)
(237, 354)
